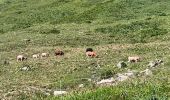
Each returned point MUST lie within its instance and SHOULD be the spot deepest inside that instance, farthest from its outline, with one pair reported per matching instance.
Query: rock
(121, 64)
(81, 85)
(121, 77)
(129, 74)
(25, 68)
(106, 81)
(159, 61)
(48, 94)
(152, 64)
(89, 80)
(146, 72)
(155, 63)
(58, 93)
(27, 40)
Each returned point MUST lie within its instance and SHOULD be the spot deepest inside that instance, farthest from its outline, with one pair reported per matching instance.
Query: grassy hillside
(115, 29)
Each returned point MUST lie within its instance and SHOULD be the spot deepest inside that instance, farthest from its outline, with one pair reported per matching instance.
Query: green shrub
(106, 74)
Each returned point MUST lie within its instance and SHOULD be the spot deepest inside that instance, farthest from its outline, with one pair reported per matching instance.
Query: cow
(134, 59)
(36, 56)
(59, 53)
(44, 55)
(89, 49)
(91, 54)
(21, 58)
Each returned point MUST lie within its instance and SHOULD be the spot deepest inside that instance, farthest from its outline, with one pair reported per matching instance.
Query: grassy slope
(114, 28)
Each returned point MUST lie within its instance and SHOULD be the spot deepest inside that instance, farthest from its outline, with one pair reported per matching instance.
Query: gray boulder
(121, 64)
(155, 63)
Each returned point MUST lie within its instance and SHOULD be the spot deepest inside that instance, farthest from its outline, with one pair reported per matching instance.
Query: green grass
(122, 93)
(115, 29)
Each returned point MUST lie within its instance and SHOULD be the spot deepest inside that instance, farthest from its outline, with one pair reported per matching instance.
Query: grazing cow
(59, 53)
(89, 49)
(134, 59)
(44, 55)
(91, 54)
(36, 56)
(21, 58)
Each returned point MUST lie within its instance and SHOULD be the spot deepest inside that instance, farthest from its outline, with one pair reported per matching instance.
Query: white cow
(44, 55)
(134, 59)
(21, 58)
(36, 56)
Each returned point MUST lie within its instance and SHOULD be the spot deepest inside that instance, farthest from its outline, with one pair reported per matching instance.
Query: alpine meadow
(85, 49)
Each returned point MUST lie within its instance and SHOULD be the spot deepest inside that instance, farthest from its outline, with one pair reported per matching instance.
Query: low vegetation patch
(134, 32)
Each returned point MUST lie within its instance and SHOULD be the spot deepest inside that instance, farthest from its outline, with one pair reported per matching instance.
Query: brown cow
(59, 53)
(89, 49)
(91, 54)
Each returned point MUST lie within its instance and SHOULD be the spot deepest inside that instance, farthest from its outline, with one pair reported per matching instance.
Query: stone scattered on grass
(81, 85)
(48, 94)
(121, 64)
(27, 40)
(106, 81)
(152, 64)
(26, 68)
(58, 93)
(155, 63)
(89, 80)
(129, 74)
(121, 77)
(146, 72)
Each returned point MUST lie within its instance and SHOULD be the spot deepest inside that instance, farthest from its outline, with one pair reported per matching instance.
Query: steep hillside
(20, 14)
(115, 29)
